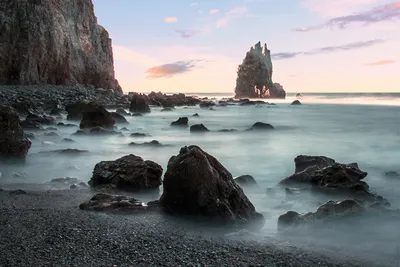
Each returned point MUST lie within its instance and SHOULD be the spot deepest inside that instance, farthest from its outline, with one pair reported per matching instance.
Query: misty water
(368, 134)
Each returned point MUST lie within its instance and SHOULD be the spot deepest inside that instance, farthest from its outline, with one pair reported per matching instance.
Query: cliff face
(255, 75)
(54, 42)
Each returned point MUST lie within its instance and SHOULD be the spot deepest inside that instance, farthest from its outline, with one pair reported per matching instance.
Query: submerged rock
(198, 128)
(153, 143)
(181, 122)
(13, 143)
(197, 184)
(196, 115)
(329, 211)
(138, 104)
(392, 174)
(245, 180)
(66, 151)
(261, 126)
(122, 112)
(139, 135)
(129, 173)
(54, 42)
(296, 102)
(254, 75)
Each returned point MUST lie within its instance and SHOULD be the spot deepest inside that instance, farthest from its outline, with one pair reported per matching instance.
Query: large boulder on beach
(96, 116)
(54, 42)
(130, 173)
(181, 122)
(327, 212)
(13, 143)
(119, 118)
(197, 184)
(198, 128)
(139, 104)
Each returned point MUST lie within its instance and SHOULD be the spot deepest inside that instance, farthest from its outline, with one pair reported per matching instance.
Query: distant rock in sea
(54, 42)
(254, 75)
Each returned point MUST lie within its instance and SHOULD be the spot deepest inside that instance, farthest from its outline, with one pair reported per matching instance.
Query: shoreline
(46, 228)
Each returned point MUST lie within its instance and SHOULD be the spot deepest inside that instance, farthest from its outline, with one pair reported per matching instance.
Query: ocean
(359, 127)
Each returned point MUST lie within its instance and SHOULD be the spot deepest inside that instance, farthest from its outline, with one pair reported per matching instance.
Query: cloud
(170, 19)
(194, 4)
(187, 33)
(328, 49)
(334, 8)
(171, 69)
(213, 11)
(233, 14)
(380, 62)
(388, 12)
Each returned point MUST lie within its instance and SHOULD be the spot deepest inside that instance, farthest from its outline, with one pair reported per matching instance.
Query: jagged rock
(254, 77)
(198, 128)
(170, 101)
(13, 144)
(138, 104)
(54, 42)
(119, 118)
(181, 122)
(296, 103)
(94, 115)
(197, 184)
(25, 106)
(302, 162)
(245, 180)
(128, 173)
(261, 126)
(196, 115)
(40, 119)
(207, 104)
(329, 211)
(51, 134)
(67, 151)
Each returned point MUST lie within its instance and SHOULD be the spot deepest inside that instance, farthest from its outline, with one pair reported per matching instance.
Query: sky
(196, 46)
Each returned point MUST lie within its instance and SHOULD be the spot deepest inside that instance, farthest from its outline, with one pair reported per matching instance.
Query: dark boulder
(227, 130)
(261, 126)
(62, 124)
(302, 162)
(130, 173)
(296, 102)
(245, 180)
(13, 143)
(96, 116)
(196, 115)
(114, 203)
(167, 109)
(181, 122)
(153, 143)
(207, 104)
(138, 104)
(139, 135)
(122, 112)
(136, 114)
(198, 128)
(196, 184)
(392, 174)
(76, 109)
(327, 212)
(101, 131)
(119, 118)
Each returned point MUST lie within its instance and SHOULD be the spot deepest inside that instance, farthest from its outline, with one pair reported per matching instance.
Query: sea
(348, 127)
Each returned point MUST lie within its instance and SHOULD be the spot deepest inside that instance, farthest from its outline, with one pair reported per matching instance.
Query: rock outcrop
(96, 116)
(139, 104)
(254, 75)
(54, 42)
(196, 184)
(13, 144)
(130, 173)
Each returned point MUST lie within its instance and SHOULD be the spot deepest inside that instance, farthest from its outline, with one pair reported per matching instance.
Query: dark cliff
(54, 42)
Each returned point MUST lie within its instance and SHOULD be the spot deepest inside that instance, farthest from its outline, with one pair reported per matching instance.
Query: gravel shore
(46, 228)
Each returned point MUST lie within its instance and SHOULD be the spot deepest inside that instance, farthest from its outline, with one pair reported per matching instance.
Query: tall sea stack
(54, 42)
(255, 75)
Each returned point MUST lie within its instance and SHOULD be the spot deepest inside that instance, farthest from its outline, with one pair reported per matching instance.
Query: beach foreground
(46, 228)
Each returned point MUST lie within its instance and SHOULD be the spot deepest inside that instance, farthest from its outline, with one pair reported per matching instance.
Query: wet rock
(40, 119)
(138, 104)
(17, 192)
(13, 144)
(67, 151)
(68, 140)
(124, 129)
(256, 72)
(96, 116)
(170, 101)
(392, 174)
(62, 124)
(212, 109)
(64, 181)
(197, 184)
(136, 114)
(167, 109)
(296, 102)
(207, 104)
(130, 173)
(153, 143)
(198, 128)
(122, 112)
(196, 115)
(329, 211)
(261, 126)
(119, 118)
(227, 130)
(51, 134)
(181, 122)
(139, 135)
(302, 162)
(113, 203)
(245, 180)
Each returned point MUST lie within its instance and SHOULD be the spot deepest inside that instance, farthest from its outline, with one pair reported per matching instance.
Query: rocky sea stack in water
(254, 75)
(197, 184)
(54, 42)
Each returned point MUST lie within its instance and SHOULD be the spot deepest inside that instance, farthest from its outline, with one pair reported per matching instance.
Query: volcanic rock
(13, 144)
(129, 173)
(197, 184)
(54, 42)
